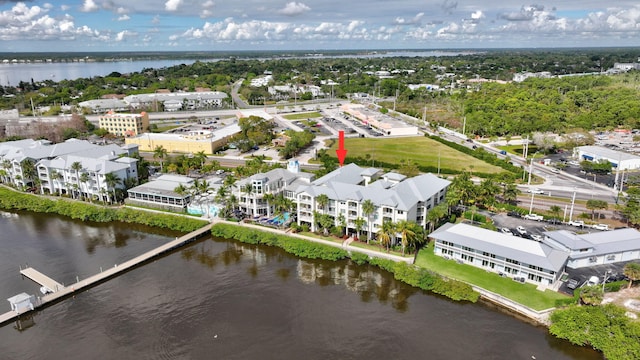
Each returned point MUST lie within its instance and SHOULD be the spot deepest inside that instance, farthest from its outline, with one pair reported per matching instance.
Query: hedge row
(409, 274)
(16, 201)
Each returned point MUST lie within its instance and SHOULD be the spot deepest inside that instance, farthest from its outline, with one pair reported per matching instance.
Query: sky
(228, 25)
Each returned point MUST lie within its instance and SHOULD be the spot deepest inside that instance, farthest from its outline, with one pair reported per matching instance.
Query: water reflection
(367, 281)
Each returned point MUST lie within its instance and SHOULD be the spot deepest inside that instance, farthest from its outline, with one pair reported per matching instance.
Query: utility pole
(573, 200)
(531, 205)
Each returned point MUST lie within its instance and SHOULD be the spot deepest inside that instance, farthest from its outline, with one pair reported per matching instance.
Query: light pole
(531, 206)
(573, 200)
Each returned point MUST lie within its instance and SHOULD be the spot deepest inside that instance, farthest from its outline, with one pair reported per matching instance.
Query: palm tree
(28, 170)
(488, 191)
(368, 209)
(4, 175)
(6, 165)
(435, 214)
(387, 233)
(112, 180)
(555, 211)
(510, 193)
(322, 200)
(268, 198)
(56, 177)
(76, 166)
(407, 233)
(201, 157)
(359, 223)
(160, 152)
(84, 179)
(632, 271)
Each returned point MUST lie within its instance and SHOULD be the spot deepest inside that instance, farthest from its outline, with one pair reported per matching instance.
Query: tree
(488, 191)
(632, 271)
(112, 180)
(510, 193)
(322, 200)
(435, 214)
(368, 209)
(6, 165)
(84, 179)
(200, 157)
(28, 171)
(594, 204)
(359, 223)
(387, 234)
(76, 166)
(555, 212)
(408, 168)
(268, 198)
(161, 153)
(407, 234)
(591, 295)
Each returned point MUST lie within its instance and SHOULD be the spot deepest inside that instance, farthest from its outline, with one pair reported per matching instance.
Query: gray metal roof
(506, 246)
(607, 153)
(601, 242)
(348, 174)
(164, 185)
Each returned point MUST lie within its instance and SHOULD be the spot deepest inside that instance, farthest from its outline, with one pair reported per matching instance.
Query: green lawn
(302, 116)
(422, 150)
(525, 294)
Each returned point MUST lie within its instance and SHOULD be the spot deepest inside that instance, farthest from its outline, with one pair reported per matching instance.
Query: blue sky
(218, 25)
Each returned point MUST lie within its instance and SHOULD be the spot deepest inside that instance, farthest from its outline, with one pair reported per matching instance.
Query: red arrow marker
(341, 151)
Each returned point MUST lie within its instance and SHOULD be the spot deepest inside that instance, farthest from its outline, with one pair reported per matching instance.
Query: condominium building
(74, 167)
(127, 125)
(394, 196)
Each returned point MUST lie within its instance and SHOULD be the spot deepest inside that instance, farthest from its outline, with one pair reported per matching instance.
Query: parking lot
(613, 271)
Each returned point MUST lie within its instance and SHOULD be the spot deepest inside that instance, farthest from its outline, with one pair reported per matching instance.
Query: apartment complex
(127, 125)
(394, 196)
(74, 167)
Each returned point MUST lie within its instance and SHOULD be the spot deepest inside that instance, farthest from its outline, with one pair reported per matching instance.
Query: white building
(618, 159)
(597, 248)
(394, 196)
(177, 100)
(54, 168)
(519, 258)
(384, 123)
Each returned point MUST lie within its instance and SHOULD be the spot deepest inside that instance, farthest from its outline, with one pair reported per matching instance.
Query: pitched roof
(506, 246)
(600, 243)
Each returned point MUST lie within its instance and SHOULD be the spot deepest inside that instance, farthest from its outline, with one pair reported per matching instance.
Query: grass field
(422, 150)
(303, 116)
(525, 294)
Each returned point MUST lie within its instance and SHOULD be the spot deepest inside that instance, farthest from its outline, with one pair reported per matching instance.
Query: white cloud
(89, 6)
(122, 10)
(208, 4)
(477, 15)
(123, 34)
(124, 17)
(156, 20)
(413, 21)
(172, 5)
(294, 8)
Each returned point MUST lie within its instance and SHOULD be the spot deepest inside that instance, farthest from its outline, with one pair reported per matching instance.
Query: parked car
(535, 217)
(578, 223)
(506, 231)
(521, 230)
(572, 283)
(536, 237)
(603, 227)
(535, 191)
(594, 280)
(514, 214)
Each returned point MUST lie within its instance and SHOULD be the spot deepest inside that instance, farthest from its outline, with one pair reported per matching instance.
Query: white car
(603, 227)
(574, 163)
(506, 231)
(535, 191)
(578, 223)
(535, 217)
(555, 171)
(521, 230)
(594, 280)
(537, 237)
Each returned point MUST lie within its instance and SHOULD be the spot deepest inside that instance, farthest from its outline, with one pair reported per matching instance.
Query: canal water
(218, 299)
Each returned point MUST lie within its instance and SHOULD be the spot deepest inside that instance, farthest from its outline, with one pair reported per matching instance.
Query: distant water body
(13, 73)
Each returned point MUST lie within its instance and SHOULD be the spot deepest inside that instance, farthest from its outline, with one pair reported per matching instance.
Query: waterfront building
(59, 168)
(186, 142)
(161, 192)
(394, 196)
(126, 125)
(519, 258)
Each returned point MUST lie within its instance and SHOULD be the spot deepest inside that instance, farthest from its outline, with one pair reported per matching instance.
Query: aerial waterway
(216, 297)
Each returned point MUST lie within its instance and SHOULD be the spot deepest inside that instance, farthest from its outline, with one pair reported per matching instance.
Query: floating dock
(59, 291)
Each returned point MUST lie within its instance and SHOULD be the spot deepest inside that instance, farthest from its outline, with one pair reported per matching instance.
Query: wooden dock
(65, 291)
(42, 279)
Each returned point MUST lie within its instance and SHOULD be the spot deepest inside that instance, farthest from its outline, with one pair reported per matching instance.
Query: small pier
(42, 279)
(59, 291)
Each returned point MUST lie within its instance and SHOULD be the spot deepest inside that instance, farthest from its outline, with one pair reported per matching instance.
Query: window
(465, 248)
(611, 257)
(511, 261)
(593, 259)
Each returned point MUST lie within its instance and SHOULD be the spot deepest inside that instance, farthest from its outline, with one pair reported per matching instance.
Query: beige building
(127, 125)
(188, 142)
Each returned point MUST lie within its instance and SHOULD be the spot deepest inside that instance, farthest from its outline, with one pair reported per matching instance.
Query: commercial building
(384, 123)
(516, 257)
(177, 100)
(124, 124)
(597, 248)
(187, 142)
(618, 159)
